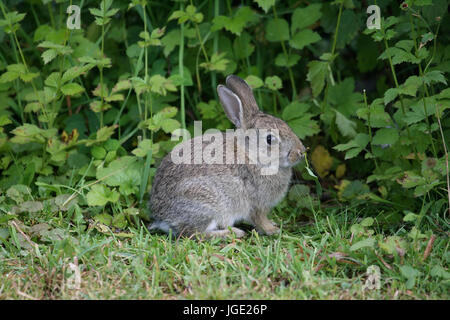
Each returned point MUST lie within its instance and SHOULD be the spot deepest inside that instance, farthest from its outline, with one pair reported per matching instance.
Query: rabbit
(208, 199)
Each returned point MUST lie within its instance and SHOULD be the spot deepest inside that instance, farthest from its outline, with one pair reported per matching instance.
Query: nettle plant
(61, 140)
(87, 113)
(403, 130)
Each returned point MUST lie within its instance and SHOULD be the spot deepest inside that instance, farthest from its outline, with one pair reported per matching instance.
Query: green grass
(297, 264)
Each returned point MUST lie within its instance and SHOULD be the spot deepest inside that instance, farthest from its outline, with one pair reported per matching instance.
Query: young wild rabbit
(209, 198)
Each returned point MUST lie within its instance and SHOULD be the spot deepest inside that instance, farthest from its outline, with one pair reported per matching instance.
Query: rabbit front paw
(264, 225)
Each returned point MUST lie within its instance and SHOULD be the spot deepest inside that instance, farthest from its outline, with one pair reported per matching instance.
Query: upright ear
(245, 93)
(232, 106)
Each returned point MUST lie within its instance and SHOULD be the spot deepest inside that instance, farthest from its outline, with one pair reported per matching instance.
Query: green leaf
(242, 46)
(385, 136)
(72, 89)
(378, 117)
(103, 218)
(366, 243)
(161, 85)
(304, 38)
(49, 55)
(265, 4)
(98, 152)
(390, 95)
(273, 83)
(304, 17)
(360, 141)
(170, 125)
(144, 147)
(304, 126)
(170, 41)
(27, 77)
(411, 179)
(349, 28)
(102, 135)
(294, 110)
(217, 62)
(53, 80)
(8, 76)
(367, 222)
(434, 76)
(354, 146)
(75, 71)
(298, 192)
(411, 85)
(410, 217)
(277, 30)
(119, 221)
(345, 126)
(439, 272)
(282, 61)
(317, 73)
(236, 24)
(100, 195)
(254, 81)
(410, 274)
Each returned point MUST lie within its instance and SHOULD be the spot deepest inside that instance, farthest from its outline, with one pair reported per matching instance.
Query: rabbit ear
(232, 106)
(245, 93)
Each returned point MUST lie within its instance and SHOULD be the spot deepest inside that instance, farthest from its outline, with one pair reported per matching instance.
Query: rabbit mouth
(293, 158)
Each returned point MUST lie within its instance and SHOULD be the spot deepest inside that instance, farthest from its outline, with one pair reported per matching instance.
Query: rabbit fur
(210, 198)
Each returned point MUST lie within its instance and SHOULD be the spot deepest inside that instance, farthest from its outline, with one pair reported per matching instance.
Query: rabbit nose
(295, 155)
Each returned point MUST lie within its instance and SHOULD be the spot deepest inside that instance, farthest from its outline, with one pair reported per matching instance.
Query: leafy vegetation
(86, 116)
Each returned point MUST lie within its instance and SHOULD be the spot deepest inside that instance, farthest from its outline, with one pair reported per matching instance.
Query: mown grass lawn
(313, 258)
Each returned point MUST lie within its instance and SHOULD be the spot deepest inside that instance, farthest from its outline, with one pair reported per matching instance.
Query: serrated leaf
(71, 89)
(236, 24)
(345, 126)
(49, 55)
(144, 147)
(304, 38)
(304, 126)
(286, 61)
(434, 76)
(385, 136)
(294, 110)
(317, 72)
(277, 30)
(304, 17)
(100, 195)
(390, 95)
(169, 125)
(273, 83)
(265, 4)
(254, 81)
(8, 76)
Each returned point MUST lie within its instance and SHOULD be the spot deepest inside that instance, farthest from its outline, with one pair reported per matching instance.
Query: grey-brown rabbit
(206, 198)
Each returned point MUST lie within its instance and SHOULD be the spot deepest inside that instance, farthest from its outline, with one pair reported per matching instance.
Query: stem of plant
(215, 49)
(424, 87)
(333, 49)
(394, 76)
(370, 129)
(144, 130)
(446, 158)
(181, 70)
(291, 75)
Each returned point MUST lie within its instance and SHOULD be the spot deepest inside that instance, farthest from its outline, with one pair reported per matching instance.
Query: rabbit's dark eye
(270, 139)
